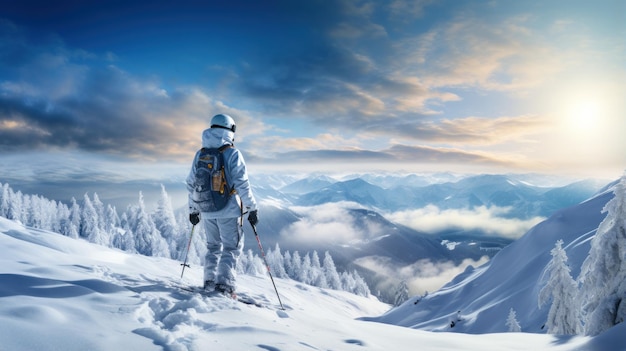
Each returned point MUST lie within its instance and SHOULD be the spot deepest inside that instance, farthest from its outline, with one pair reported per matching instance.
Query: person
(223, 227)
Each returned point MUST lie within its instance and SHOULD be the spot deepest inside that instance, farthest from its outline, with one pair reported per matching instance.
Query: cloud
(64, 99)
(474, 130)
(421, 276)
(403, 155)
(490, 220)
(329, 223)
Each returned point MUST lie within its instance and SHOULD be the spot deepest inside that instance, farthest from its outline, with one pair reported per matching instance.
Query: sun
(584, 116)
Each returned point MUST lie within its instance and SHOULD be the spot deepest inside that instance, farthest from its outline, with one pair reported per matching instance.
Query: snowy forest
(161, 233)
(594, 302)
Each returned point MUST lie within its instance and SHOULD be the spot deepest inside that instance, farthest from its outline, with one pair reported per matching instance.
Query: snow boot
(209, 286)
(226, 290)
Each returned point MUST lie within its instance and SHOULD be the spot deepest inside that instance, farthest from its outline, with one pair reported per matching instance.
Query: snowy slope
(58, 293)
(512, 279)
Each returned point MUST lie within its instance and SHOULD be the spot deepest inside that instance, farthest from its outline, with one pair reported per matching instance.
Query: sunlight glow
(584, 116)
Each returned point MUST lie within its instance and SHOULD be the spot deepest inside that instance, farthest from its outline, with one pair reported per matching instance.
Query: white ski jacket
(236, 175)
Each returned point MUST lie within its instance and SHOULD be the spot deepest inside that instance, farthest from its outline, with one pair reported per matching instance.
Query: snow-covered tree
(99, 208)
(111, 220)
(561, 289)
(89, 226)
(124, 239)
(330, 272)
(317, 274)
(251, 264)
(165, 222)
(512, 322)
(276, 262)
(296, 266)
(148, 240)
(73, 225)
(15, 206)
(4, 200)
(402, 293)
(603, 274)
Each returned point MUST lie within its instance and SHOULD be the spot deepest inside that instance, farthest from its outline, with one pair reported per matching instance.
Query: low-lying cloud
(421, 277)
(491, 220)
(330, 223)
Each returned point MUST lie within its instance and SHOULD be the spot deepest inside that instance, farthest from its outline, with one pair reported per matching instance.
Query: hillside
(482, 297)
(58, 293)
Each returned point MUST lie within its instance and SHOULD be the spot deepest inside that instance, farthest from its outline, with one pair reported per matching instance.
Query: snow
(59, 293)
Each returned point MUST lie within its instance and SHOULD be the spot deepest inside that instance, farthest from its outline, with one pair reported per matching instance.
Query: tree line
(162, 233)
(596, 300)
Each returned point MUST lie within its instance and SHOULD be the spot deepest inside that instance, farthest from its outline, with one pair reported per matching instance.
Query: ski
(243, 298)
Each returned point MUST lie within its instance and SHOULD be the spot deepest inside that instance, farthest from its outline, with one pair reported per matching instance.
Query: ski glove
(194, 218)
(253, 218)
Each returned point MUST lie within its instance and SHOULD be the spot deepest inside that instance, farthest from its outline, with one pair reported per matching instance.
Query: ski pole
(184, 264)
(267, 266)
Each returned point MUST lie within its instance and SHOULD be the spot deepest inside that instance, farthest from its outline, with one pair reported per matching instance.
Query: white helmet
(223, 121)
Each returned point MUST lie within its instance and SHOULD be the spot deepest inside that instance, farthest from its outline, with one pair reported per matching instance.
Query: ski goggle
(232, 129)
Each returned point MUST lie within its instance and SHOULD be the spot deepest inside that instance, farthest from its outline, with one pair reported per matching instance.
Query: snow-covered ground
(58, 293)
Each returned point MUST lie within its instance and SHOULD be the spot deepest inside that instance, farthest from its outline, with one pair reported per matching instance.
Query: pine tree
(124, 238)
(512, 322)
(89, 221)
(101, 216)
(562, 289)
(165, 222)
(330, 271)
(276, 262)
(148, 240)
(402, 293)
(74, 220)
(296, 264)
(4, 200)
(15, 206)
(317, 274)
(361, 287)
(603, 272)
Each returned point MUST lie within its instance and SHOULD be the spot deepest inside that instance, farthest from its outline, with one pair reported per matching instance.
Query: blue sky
(112, 91)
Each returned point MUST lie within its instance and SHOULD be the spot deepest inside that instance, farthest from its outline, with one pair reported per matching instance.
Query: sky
(121, 91)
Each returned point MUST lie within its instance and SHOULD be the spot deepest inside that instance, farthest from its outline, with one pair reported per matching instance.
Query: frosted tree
(603, 274)
(561, 289)
(288, 264)
(251, 264)
(304, 274)
(111, 220)
(15, 206)
(512, 322)
(165, 222)
(330, 271)
(124, 238)
(60, 214)
(276, 262)
(99, 208)
(89, 228)
(148, 240)
(4, 200)
(73, 225)
(402, 294)
(296, 266)
(28, 211)
(317, 274)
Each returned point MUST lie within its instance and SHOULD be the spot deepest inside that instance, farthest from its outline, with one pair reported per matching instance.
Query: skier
(223, 228)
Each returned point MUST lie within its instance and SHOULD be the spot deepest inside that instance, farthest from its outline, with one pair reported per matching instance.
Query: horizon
(122, 194)
(119, 93)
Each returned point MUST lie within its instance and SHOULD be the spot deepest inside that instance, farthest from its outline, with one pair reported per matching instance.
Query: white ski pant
(224, 244)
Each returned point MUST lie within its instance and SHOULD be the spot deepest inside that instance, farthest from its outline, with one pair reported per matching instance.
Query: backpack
(211, 192)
